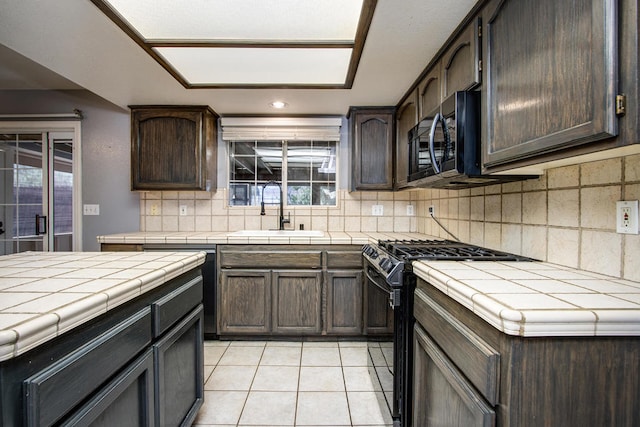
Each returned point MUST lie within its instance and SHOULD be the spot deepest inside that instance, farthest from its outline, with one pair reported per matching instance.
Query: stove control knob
(384, 263)
(370, 251)
(389, 267)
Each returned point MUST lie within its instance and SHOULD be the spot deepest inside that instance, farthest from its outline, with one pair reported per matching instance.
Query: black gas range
(387, 266)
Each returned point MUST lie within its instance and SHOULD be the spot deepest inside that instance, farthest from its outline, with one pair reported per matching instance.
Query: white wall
(105, 155)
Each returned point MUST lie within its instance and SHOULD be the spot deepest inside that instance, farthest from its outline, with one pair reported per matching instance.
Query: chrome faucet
(283, 220)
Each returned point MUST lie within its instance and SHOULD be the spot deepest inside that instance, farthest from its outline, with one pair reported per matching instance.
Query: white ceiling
(67, 44)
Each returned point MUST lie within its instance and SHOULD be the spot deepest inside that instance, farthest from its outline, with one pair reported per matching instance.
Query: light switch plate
(627, 217)
(410, 211)
(91, 209)
(377, 210)
(183, 210)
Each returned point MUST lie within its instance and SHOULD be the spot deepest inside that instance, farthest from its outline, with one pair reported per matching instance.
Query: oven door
(385, 355)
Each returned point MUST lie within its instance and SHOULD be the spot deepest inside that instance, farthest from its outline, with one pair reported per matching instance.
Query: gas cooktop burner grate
(447, 250)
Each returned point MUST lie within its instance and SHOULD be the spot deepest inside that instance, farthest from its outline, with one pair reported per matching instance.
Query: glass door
(36, 192)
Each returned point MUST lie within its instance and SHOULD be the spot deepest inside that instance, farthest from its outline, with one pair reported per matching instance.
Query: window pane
(270, 194)
(299, 194)
(240, 194)
(299, 158)
(324, 194)
(324, 162)
(269, 160)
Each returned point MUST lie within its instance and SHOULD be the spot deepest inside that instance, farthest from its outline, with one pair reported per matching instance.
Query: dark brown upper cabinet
(550, 78)
(461, 61)
(173, 148)
(430, 91)
(406, 119)
(372, 141)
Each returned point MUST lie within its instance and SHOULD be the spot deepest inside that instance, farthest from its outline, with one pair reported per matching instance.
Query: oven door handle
(375, 280)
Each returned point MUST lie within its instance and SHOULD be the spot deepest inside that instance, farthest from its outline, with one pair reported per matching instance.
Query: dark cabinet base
(541, 381)
(140, 364)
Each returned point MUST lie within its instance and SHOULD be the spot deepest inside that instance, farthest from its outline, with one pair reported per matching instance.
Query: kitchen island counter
(43, 295)
(537, 299)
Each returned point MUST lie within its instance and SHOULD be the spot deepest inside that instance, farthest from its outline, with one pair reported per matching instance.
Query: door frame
(19, 126)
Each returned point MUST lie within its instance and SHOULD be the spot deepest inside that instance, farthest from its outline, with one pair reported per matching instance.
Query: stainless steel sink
(276, 233)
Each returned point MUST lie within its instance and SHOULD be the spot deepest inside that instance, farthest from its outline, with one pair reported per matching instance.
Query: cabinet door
(179, 364)
(441, 394)
(244, 302)
(373, 135)
(406, 119)
(126, 401)
(173, 148)
(461, 61)
(297, 302)
(344, 302)
(550, 77)
(430, 91)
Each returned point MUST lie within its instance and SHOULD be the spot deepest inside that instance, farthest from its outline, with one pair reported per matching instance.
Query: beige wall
(566, 217)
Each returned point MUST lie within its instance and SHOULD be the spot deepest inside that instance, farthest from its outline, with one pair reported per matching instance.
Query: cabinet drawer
(242, 258)
(344, 259)
(479, 362)
(169, 309)
(127, 399)
(54, 391)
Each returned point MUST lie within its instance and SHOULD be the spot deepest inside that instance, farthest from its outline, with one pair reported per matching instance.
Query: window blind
(281, 128)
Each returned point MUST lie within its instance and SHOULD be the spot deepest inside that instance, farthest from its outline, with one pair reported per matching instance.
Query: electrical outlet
(410, 211)
(183, 210)
(432, 210)
(627, 217)
(155, 210)
(377, 210)
(91, 209)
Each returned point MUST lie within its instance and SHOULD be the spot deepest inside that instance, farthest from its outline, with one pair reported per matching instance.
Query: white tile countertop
(43, 295)
(227, 237)
(538, 299)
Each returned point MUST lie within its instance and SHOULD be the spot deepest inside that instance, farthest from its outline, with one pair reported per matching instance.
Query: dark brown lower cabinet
(244, 301)
(465, 368)
(290, 290)
(442, 394)
(344, 302)
(297, 302)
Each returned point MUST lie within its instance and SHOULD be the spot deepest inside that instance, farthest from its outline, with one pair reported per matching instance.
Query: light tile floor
(277, 383)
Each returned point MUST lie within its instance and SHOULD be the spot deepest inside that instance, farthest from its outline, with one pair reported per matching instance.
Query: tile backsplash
(566, 217)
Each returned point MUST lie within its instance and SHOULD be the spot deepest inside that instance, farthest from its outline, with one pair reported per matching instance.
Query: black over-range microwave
(444, 148)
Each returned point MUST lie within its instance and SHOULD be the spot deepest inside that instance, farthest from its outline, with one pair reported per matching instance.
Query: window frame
(285, 182)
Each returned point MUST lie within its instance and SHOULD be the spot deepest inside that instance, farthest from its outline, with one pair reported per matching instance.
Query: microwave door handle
(432, 137)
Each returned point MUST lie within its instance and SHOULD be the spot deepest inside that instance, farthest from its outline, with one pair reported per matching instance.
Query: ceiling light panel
(243, 20)
(258, 66)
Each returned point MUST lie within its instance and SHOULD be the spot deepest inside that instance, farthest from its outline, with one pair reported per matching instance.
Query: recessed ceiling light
(278, 104)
